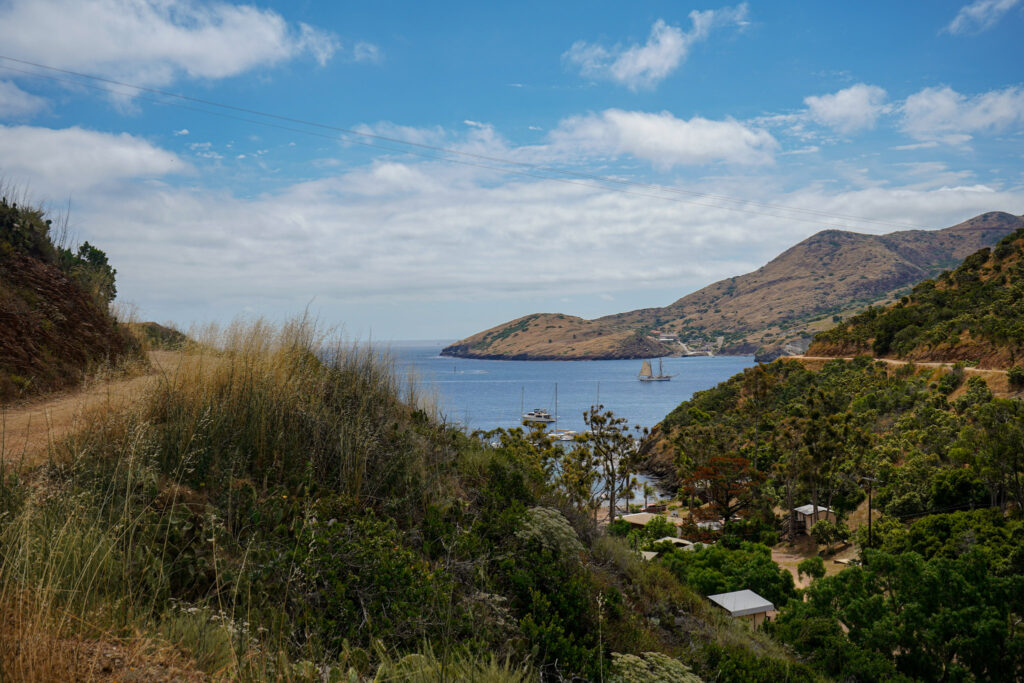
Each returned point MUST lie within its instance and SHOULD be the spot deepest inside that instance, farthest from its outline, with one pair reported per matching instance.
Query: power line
(435, 149)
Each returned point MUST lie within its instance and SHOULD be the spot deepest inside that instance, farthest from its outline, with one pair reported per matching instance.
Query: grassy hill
(54, 323)
(261, 514)
(805, 290)
(973, 313)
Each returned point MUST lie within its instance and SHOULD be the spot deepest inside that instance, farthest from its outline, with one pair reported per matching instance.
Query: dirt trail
(995, 378)
(27, 431)
(894, 361)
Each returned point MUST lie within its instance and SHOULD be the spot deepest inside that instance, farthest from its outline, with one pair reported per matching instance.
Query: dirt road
(27, 431)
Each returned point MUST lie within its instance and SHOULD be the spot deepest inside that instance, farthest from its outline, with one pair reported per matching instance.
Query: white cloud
(980, 15)
(915, 146)
(644, 66)
(663, 139)
(398, 237)
(153, 42)
(849, 110)
(401, 237)
(944, 115)
(367, 52)
(56, 163)
(16, 103)
(183, 131)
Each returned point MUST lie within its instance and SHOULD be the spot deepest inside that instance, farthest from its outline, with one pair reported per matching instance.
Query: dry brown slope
(973, 313)
(832, 273)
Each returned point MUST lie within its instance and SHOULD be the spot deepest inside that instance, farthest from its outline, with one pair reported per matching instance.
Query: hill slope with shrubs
(274, 511)
(937, 594)
(54, 320)
(974, 313)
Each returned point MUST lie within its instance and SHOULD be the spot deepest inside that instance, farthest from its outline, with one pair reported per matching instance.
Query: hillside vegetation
(938, 594)
(806, 289)
(973, 313)
(54, 320)
(284, 508)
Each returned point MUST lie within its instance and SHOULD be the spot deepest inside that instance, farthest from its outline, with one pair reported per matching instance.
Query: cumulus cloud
(663, 139)
(944, 115)
(980, 16)
(15, 103)
(849, 110)
(644, 66)
(153, 42)
(58, 162)
(397, 234)
(401, 236)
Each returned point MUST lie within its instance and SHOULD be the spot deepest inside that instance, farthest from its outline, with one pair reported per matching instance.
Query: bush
(1016, 376)
(714, 569)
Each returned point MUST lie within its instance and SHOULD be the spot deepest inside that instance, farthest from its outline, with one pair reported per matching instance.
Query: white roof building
(742, 603)
(679, 542)
(809, 509)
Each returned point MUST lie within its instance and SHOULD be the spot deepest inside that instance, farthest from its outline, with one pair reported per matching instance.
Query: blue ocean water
(485, 394)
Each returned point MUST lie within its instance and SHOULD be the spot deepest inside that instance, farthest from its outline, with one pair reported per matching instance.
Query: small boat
(563, 435)
(538, 415)
(647, 376)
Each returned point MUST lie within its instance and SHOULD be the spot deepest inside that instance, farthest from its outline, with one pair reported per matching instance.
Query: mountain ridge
(972, 313)
(807, 289)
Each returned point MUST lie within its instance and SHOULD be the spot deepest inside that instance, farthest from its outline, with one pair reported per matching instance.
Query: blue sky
(735, 130)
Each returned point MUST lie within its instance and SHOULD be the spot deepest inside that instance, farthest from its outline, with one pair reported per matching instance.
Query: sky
(409, 170)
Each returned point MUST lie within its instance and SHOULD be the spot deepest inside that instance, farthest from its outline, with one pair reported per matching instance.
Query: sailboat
(647, 376)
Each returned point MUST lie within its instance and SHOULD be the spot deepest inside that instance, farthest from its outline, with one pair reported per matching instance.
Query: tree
(993, 442)
(936, 620)
(90, 267)
(828, 534)
(812, 567)
(727, 482)
(714, 569)
(648, 492)
(614, 451)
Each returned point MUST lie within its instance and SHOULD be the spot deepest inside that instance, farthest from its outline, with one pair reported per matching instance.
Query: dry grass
(83, 596)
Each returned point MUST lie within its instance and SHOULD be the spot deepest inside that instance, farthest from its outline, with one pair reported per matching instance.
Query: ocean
(485, 394)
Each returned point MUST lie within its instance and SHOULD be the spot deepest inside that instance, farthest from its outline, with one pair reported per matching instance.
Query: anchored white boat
(538, 415)
(647, 376)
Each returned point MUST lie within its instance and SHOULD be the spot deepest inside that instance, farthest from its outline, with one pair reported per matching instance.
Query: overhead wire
(523, 168)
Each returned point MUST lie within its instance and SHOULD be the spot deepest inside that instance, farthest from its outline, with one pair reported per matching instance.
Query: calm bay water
(484, 394)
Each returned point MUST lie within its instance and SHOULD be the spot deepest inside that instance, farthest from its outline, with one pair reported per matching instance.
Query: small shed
(639, 519)
(745, 604)
(808, 514)
(678, 542)
(648, 555)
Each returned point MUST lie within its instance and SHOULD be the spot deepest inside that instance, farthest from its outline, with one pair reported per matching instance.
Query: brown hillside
(974, 313)
(52, 330)
(806, 289)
